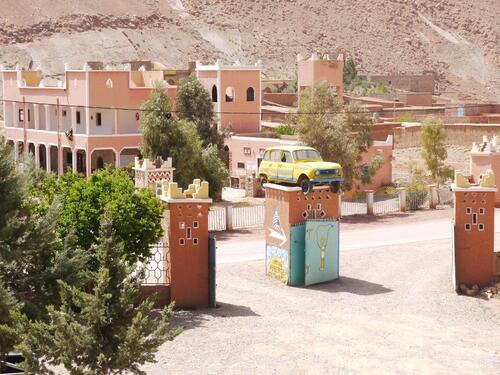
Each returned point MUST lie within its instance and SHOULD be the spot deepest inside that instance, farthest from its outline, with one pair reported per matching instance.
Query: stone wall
(456, 134)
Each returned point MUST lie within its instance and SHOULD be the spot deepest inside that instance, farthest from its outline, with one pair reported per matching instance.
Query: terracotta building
(236, 93)
(88, 119)
(317, 69)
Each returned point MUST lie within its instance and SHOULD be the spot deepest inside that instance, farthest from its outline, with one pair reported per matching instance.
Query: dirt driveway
(392, 312)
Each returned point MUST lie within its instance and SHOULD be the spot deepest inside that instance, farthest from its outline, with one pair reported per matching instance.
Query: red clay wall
(474, 255)
(189, 261)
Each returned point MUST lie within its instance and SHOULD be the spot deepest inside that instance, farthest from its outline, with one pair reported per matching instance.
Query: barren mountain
(458, 39)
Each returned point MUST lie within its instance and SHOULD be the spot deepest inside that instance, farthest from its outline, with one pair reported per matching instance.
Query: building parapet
(486, 146)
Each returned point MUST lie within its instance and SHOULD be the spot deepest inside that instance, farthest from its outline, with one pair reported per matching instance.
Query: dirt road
(392, 312)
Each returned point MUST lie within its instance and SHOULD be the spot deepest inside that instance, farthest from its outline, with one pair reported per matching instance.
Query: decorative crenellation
(197, 190)
(486, 180)
(486, 146)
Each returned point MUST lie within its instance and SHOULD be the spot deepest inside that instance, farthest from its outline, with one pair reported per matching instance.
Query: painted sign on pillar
(277, 250)
(321, 251)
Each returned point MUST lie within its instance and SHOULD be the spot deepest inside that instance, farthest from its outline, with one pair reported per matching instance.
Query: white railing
(251, 216)
(217, 219)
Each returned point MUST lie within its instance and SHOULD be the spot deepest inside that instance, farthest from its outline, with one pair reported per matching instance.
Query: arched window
(230, 94)
(214, 94)
(100, 163)
(109, 83)
(171, 82)
(250, 94)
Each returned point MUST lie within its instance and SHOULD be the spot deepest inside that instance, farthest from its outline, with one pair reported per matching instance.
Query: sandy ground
(393, 311)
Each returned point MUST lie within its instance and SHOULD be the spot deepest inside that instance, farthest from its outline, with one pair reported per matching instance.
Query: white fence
(244, 217)
(217, 219)
(227, 218)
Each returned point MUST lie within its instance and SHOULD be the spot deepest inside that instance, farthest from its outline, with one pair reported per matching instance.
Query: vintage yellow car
(299, 165)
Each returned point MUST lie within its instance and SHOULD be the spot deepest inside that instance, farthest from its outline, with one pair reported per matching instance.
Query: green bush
(285, 129)
(405, 117)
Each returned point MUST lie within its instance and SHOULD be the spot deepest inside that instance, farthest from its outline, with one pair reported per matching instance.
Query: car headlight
(317, 173)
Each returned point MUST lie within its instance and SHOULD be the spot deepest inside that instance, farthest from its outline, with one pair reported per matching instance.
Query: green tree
(184, 145)
(32, 258)
(194, 104)
(83, 202)
(8, 333)
(434, 151)
(100, 331)
(350, 71)
(340, 134)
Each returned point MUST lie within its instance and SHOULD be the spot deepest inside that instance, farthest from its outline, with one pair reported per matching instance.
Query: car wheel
(306, 185)
(335, 187)
(263, 180)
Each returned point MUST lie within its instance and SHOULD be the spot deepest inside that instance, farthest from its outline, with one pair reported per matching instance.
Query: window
(309, 207)
(286, 157)
(468, 210)
(250, 94)
(307, 155)
(482, 210)
(319, 206)
(241, 165)
(267, 156)
(262, 151)
(275, 155)
(21, 115)
(109, 83)
(137, 116)
(78, 117)
(247, 150)
(467, 227)
(195, 241)
(181, 241)
(63, 113)
(98, 118)
(188, 233)
(481, 227)
(29, 115)
(230, 94)
(214, 94)
(196, 224)
(474, 219)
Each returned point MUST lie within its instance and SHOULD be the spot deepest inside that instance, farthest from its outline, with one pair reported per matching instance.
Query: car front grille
(328, 172)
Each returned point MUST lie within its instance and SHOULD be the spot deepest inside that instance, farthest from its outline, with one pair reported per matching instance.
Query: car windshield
(306, 155)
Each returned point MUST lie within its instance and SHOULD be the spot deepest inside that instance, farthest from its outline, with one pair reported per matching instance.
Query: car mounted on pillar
(299, 165)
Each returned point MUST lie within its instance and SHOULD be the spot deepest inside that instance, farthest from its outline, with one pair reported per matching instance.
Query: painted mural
(277, 261)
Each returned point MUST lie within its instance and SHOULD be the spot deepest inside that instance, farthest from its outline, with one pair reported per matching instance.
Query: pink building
(86, 121)
(236, 93)
(486, 156)
(317, 69)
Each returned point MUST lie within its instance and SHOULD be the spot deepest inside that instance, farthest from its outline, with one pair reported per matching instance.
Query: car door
(273, 164)
(285, 167)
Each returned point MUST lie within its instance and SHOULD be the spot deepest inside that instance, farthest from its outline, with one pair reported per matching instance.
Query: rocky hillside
(458, 39)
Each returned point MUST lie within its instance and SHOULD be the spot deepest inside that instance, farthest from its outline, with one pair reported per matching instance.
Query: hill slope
(459, 39)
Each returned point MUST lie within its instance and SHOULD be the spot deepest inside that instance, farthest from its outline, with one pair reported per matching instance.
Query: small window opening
(250, 94)
(214, 94)
(78, 117)
(474, 219)
(468, 210)
(467, 227)
(63, 113)
(98, 118)
(481, 227)
(241, 165)
(29, 115)
(21, 115)
(196, 224)
(188, 233)
(195, 241)
(181, 241)
(482, 211)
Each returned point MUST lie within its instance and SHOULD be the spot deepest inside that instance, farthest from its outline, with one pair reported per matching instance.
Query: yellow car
(299, 165)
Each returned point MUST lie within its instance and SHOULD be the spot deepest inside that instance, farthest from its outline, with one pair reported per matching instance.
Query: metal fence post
(229, 217)
(369, 202)
(402, 199)
(433, 196)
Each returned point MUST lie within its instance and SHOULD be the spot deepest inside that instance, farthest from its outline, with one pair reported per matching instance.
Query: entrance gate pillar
(301, 234)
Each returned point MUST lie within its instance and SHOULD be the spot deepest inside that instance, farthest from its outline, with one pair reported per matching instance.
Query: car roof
(290, 148)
